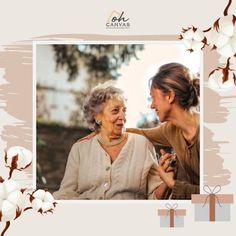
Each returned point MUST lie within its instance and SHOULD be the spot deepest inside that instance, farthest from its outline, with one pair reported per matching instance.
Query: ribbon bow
(171, 207)
(213, 191)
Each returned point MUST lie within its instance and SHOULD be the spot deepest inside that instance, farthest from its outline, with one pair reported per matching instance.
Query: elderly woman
(112, 164)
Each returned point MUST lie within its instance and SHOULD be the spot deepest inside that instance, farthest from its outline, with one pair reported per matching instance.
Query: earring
(98, 122)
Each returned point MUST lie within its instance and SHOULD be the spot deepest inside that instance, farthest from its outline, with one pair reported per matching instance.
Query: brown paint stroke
(214, 110)
(98, 37)
(17, 61)
(214, 172)
(16, 94)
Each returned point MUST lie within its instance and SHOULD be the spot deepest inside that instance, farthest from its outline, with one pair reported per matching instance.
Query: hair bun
(196, 85)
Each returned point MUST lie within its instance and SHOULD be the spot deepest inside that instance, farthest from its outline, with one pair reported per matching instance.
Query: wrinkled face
(113, 117)
(161, 104)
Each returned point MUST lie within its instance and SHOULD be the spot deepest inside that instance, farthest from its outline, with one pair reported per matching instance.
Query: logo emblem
(117, 20)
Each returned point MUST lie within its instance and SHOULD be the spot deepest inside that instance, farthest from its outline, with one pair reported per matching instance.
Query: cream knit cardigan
(90, 174)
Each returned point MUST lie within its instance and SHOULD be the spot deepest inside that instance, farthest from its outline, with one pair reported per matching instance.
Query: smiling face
(161, 102)
(113, 117)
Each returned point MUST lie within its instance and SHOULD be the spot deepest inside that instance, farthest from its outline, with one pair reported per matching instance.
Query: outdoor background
(66, 73)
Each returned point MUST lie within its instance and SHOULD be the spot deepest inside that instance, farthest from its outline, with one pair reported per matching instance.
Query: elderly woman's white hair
(95, 101)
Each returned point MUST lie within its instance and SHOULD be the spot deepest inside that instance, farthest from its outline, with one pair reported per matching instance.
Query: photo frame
(16, 126)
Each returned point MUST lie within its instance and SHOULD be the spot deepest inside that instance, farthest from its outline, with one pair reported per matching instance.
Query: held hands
(166, 168)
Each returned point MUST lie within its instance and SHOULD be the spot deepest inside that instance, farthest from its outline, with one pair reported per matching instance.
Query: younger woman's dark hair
(176, 77)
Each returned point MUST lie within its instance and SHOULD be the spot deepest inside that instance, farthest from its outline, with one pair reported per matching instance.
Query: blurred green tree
(100, 61)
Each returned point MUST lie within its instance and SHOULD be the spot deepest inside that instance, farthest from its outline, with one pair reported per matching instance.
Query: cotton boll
(2, 191)
(193, 39)
(233, 43)
(198, 35)
(39, 194)
(47, 206)
(48, 197)
(226, 51)
(17, 198)
(189, 34)
(196, 46)
(24, 157)
(37, 204)
(216, 81)
(8, 211)
(42, 201)
(226, 25)
(217, 39)
(223, 36)
(187, 43)
(11, 200)
(10, 186)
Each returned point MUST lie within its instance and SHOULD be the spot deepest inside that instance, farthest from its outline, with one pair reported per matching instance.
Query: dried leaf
(18, 213)
(214, 47)
(216, 25)
(234, 78)
(5, 157)
(185, 30)
(23, 190)
(194, 29)
(40, 211)
(225, 75)
(1, 179)
(31, 198)
(234, 19)
(205, 42)
(227, 8)
(207, 30)
(213, 72)
(27, 208)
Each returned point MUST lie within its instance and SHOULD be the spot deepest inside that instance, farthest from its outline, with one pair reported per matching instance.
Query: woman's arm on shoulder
(69, 184)
(87, 137)
(155, 135)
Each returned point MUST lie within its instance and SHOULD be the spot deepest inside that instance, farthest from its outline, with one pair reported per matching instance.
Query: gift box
(171, 216)
(212, 206)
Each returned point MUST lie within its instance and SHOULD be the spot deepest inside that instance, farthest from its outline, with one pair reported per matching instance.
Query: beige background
(24, 21)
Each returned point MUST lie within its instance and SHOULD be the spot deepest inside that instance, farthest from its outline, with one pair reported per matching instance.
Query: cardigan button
(108, 168)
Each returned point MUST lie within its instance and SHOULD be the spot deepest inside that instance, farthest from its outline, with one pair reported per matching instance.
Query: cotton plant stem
(10, 173)
(6, 228)
(27, 208)
(207, 30)
(227, 8)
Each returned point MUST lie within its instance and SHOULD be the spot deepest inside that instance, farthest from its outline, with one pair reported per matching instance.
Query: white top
(90, 174)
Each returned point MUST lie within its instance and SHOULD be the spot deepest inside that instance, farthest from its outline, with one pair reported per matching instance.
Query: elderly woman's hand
(167, 177)
(167, 161)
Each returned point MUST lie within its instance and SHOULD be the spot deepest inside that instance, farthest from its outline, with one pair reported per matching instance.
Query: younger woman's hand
(88, 137)
(165, 161)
